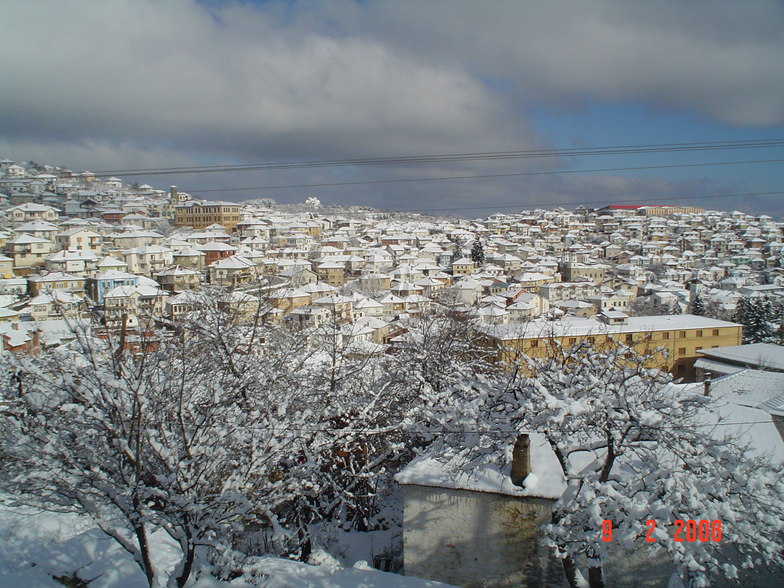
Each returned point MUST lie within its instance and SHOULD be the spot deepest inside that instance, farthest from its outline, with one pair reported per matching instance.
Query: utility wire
(459, 157)
(485, 176)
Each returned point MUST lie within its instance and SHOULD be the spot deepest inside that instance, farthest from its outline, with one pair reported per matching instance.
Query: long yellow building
(200, 215)
(672, 340)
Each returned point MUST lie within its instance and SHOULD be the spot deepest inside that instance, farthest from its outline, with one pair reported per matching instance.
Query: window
(630, 338)
(665, 335)
(715, 332)
(681, 334)
(572, 340)
(699, 333)
(535, 343)
(681, 351)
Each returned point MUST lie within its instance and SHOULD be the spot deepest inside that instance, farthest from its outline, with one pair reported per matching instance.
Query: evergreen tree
(478, 253)
(457, 253)
(756, 316)
(697, 305)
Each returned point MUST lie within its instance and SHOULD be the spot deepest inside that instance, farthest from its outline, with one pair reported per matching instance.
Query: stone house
(77, 262)
(6, 267)
(480, 526)
(55, 305)
(477, 528)
(135, 305)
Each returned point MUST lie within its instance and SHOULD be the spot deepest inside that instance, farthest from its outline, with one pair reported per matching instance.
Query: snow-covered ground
(36, 546)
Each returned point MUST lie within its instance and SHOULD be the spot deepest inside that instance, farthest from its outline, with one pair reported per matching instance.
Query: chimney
(706, 384)
(521, 460)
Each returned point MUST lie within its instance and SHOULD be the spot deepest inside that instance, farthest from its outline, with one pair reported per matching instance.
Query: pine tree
(457, 253)
(756, 316)
(697, 306)
(478, 253)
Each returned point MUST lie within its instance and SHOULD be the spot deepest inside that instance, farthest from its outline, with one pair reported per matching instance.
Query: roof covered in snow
(545, 480)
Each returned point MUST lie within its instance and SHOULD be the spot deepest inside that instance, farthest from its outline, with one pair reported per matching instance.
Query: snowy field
(37, 546)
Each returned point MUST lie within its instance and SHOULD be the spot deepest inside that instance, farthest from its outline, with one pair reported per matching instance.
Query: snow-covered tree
(358, 402)
(198, 435)
(646, 306)
(697, 305)
(632, 449)
(478, 252)
(758, 317)
(439, 351)
(145, 439)
(457, 253)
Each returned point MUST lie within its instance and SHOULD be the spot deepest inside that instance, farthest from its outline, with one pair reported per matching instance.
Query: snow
(764, 355)
(36, 545)
(742, 411)
(575, 326)
(748, 387)
(746, 425)
(544, 481)
(285, 574)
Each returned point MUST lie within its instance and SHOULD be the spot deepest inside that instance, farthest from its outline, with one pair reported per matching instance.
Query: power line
(461, 157)
(484, 176)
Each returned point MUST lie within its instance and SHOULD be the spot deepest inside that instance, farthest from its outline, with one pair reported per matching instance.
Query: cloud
(717, 58)
(233, 82)
(141, 83)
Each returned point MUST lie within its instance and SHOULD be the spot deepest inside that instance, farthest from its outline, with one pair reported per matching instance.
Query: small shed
(474, 527)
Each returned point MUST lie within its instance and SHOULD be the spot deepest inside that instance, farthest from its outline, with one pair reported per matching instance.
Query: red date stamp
(690, 531)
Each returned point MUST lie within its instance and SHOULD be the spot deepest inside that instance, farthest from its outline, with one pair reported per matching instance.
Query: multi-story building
(200, 215)
(27, 251)
(55, 281)
(672, 341)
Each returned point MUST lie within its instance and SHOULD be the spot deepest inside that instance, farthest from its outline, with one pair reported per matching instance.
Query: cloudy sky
(130, 84)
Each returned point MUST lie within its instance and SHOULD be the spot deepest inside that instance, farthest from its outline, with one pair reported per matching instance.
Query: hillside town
(130, 255)
(697, 295)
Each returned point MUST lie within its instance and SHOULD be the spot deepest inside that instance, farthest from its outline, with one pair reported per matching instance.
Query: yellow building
(672, 340)
(462, 267)
(665, 210)
(332, 273)
(6, 267)
(200, 215)
(572, 272)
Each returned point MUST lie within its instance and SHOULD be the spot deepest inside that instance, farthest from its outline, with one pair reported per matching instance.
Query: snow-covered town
(391, 294)
(194, 389)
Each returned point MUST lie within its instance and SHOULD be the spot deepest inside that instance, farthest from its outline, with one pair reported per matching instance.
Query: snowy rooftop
(545, 480)
(752, 388)
(763, 355)
(576, 326)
